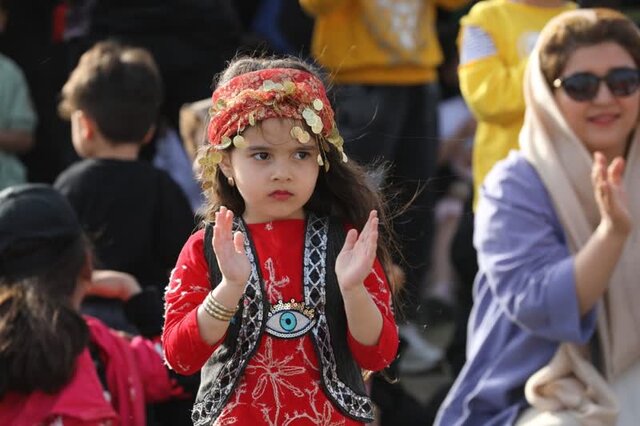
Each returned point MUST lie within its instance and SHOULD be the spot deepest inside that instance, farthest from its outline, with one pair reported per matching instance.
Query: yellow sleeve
(320, 7)
(491, 88)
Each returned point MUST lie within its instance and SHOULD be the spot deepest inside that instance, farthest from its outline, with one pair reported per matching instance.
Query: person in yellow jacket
(382, 56)
(495, 40)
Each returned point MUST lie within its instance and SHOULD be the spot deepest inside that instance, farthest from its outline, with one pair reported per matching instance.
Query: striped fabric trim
(476, 44)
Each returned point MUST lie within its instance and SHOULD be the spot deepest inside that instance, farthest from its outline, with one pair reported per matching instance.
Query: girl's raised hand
(355, 261)
(610, 194)
(229, 248)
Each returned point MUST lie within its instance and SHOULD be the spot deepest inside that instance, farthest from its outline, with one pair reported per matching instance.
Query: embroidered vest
(340, 375)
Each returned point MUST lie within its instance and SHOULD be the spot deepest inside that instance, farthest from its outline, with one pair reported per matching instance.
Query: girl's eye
(301, 155)
(261, 155)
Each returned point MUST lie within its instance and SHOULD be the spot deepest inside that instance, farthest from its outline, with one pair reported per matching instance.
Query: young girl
(281, 304)
(56, 366)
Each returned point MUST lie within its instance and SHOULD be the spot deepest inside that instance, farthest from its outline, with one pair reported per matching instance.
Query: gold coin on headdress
(225, 142)
(304, 137)
(317, 104)
(239, 142)
(215, 157)
(295, 132)
(252, 119)
(308, 114)
(319, 160)
(344, 157)
(220, 104)
(317, 127)
(289, 87)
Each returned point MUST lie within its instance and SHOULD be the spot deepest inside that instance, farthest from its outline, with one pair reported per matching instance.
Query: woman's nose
(603, 95)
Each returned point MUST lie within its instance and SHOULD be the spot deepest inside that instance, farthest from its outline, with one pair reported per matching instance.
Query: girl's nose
(281, 172)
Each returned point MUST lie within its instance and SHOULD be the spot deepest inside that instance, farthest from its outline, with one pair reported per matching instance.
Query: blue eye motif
(290, 320)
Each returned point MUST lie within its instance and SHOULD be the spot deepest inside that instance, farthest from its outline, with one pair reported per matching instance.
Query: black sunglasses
(583, 86)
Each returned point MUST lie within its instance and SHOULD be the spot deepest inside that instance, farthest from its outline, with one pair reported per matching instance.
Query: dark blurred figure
(190, 40)
(631, 8)
(32, 40)
(284, 26)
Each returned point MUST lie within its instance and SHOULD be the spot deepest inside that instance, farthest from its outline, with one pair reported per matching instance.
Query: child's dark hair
(344, 191)
(117, 86)
(41, 335)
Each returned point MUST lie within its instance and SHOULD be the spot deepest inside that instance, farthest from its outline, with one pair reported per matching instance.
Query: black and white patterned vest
(340, 375)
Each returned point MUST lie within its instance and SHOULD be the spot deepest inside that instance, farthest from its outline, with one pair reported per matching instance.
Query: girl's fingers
(238, 242)
(370, 225)
(350, 240)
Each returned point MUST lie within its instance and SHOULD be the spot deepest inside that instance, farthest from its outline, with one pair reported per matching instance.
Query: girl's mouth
(281, 195)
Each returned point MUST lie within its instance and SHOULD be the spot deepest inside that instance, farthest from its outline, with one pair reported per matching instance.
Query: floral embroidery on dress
(225, 418)
(382, 292)
(273, 285)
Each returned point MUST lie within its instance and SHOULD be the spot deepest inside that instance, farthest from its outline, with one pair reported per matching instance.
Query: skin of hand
(353, 265)
(610, 194)
(229, 249)
(358, 253)
(593, 270)
(235, 269)
(113, 285)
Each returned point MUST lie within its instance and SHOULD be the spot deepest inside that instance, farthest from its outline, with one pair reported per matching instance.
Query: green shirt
(16, 113)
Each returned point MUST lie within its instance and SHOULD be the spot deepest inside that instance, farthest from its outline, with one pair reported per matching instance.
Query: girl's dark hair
(345, 191)
(578, 31)
(41, 335)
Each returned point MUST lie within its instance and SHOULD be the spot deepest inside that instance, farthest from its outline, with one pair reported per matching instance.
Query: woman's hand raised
(610, 194)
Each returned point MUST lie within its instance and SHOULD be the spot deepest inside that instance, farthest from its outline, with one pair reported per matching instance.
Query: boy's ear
(85, 124)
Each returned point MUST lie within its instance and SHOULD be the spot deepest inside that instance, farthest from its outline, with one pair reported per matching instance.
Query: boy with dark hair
(112, 99)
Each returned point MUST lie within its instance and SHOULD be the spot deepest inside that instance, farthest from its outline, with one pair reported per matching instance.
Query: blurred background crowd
(408, 107)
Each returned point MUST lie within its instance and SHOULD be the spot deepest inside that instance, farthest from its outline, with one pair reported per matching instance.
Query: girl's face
(275, 174)
(604, 122)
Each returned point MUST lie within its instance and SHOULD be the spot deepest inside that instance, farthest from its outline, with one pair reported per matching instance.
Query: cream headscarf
(564, 164)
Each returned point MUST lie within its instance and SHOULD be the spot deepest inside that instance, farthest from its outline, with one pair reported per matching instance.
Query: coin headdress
(249, 98)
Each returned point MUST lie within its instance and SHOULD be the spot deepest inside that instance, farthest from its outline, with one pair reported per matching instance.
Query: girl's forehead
(273, 132)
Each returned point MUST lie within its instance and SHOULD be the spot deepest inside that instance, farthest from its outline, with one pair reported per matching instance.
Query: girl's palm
(229, 248)
(356, 258)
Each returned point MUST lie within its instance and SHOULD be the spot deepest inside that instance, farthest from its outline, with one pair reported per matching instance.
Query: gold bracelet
(220, 306)
(213, 308)
(215, 314)
(216, 310)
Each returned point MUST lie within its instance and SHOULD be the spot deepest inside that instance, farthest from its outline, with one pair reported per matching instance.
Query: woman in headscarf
(556, 297)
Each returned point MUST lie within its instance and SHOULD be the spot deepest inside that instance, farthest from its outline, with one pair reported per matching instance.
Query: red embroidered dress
(281, 384)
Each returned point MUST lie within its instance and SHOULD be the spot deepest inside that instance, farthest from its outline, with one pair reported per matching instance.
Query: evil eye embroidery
(290, 320)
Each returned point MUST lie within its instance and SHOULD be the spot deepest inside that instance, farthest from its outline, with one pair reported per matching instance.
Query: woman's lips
(603, 119)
